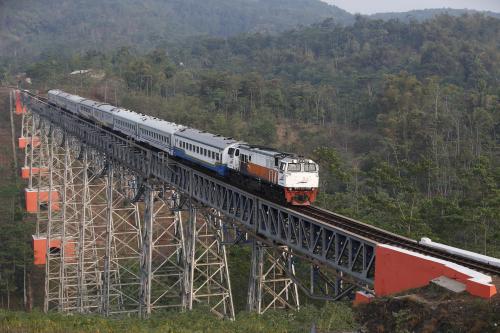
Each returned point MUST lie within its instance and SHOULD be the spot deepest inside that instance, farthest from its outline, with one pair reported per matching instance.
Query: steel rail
(386, 237)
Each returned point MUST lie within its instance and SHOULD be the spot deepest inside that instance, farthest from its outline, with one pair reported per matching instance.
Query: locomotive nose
(301, 199)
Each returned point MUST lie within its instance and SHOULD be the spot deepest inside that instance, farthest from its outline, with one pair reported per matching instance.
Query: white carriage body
(67, 101)
(103, 114)
(126, 122)
(209, 149)
(158, 133)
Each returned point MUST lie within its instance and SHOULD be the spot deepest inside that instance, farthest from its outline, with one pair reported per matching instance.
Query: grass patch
(331, 318)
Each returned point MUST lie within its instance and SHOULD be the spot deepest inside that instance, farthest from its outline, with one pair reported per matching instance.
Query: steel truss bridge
(123, 228)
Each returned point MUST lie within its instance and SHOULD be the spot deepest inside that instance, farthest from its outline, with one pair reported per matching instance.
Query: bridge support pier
(122, 247)
(52, 226)
(207, 271)
(270, 286)
(162, 259)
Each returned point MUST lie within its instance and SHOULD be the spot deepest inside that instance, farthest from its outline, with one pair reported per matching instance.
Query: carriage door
(230, 160)
(236, 162)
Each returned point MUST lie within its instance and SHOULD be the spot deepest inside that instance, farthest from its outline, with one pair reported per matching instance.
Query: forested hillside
(403, 117)
(410, 110)
(30, 27)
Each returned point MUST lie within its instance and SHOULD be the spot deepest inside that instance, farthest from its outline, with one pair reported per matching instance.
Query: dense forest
(402, 116)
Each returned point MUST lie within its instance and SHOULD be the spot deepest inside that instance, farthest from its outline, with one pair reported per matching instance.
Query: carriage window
(197, 149)
(231, 152)
(293, 167)
(205, 152)
(282, 166)
(237, 153)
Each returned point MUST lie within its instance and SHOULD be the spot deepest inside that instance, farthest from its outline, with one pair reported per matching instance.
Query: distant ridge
(426, 14)
(30, 27)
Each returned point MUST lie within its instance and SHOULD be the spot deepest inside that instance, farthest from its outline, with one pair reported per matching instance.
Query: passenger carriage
(206, 149)
(67, 101)
(103, 114)
(158, 133)
(126, 122)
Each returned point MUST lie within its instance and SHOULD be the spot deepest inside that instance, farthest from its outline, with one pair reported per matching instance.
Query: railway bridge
(123, 228)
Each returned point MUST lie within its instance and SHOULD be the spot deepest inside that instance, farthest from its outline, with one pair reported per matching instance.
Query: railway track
(385, 237)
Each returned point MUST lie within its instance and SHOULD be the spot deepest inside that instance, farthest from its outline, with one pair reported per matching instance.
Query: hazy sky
(377, 6)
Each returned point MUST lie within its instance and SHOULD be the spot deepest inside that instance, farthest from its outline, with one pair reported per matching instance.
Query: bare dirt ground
(431, 309)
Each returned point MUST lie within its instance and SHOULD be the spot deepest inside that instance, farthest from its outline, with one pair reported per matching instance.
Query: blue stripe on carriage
(221, 169)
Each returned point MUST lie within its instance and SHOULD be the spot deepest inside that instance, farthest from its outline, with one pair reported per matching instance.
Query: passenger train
(292, 178)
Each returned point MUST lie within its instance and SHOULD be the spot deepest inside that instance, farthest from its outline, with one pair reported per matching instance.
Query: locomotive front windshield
(310, 167)
(294, 167)
(300, 167)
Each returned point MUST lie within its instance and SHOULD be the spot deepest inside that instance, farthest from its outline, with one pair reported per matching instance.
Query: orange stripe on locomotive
(258, 171)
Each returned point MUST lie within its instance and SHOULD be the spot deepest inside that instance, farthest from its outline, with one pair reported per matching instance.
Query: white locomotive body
(297, 176)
